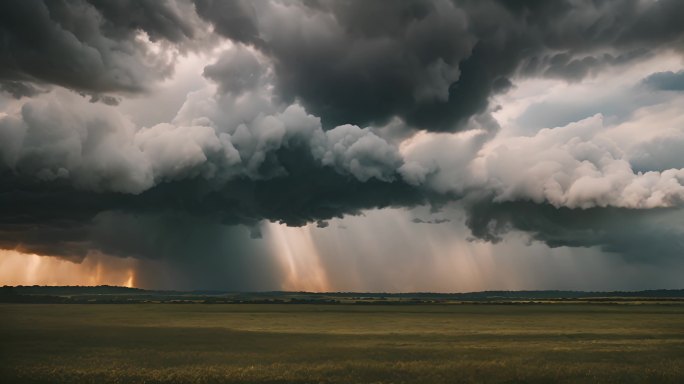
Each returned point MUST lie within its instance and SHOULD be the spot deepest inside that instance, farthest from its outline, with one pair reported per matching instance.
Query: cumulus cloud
(285, 167)
(51, 138)
(280, 166)
(574, 167)
(359, 152)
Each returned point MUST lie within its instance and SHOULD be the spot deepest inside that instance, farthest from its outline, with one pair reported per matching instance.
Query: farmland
(317, 343)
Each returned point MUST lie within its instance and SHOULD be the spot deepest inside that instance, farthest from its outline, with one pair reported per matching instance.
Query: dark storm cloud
(433, 221)
(160, 19)
(638, 235)
(666, 81)
(436, 63)
(65, 161)
(87, 46)
(233, 19)
(204, 253)
(54, 219)
(76, 178)
(237, 71)
(19, 89)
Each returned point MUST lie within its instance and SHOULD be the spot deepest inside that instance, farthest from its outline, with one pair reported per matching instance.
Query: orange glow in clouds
(18, 268)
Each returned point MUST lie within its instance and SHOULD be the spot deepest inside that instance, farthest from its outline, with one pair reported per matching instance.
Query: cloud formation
(666, 81)
(436, 63)
(90, 46)
(312, 110)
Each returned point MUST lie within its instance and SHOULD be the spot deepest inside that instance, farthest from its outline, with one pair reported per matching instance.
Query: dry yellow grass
(157, 343)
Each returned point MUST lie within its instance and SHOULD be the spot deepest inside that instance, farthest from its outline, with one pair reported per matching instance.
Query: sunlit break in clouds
(356, 146)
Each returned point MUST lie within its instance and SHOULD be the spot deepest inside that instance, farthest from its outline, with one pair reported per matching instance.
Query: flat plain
(316, 343)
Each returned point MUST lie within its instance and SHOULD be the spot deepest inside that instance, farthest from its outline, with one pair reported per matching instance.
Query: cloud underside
(320, 109)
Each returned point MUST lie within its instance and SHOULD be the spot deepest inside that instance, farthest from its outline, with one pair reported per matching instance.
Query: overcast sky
(342, 145)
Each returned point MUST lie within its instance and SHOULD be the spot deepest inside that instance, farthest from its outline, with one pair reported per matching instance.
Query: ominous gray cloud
(159, 19)
(666, 81)
(638, 235)
(434, 221)
(19, 89)
(308, 113)
(88, 46)
(63, 168)
(436, 63)
(237, 71)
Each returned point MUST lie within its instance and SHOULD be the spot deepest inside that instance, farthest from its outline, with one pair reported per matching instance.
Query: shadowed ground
(341, 343)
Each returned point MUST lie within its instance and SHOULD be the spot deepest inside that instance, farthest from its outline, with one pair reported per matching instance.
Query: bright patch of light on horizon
(18, 268)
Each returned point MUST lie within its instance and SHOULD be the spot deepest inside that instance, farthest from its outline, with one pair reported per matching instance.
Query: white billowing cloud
(166, 98)
(576, 167)
(215, 135)
(179, 152)
(360, 152)
(257, 123)
(52, 137)
(615, 144)
(653, 139)
(234, 127)
(581, 165)
(441, 161)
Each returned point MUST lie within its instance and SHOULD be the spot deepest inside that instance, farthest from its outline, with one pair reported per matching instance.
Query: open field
(341, 343)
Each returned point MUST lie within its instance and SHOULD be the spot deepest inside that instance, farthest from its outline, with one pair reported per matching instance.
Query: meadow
(272, 343)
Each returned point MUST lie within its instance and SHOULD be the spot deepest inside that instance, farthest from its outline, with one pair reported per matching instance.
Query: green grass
(150, 343)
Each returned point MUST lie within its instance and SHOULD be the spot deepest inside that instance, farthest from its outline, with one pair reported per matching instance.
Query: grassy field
(341, 343)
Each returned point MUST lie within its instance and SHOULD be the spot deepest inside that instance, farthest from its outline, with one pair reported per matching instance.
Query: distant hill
(115, 294)
(67, 290)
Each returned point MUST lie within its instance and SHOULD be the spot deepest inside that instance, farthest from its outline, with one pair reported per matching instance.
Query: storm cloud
(650, 235)
(306, 111)
(666, 81)
(436, 63)
(89, 46)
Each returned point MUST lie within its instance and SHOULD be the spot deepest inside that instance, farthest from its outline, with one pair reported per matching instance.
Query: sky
(319, 145)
